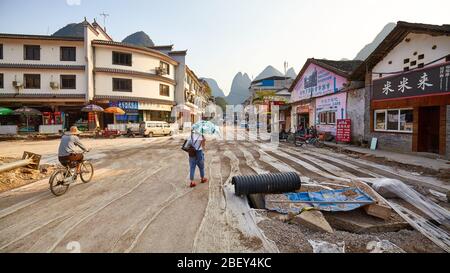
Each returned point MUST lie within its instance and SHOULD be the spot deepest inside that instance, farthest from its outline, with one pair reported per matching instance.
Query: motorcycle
(309, 137)
(130, 133)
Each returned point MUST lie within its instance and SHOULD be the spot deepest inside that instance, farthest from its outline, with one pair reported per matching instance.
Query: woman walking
(197, 157)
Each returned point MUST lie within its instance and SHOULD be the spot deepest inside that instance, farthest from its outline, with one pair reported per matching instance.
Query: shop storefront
(328, 110)
(409, 111)
(303, 113)
(131, 109)
(317, 94)
(155, 111)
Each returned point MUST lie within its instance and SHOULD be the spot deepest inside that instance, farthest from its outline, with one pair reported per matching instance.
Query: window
(1, 51)
(121, 58)
(380, 120)
(68, 54)
(68, 81)
(32, 52)
(122, 85)
(165, 67)
(164, 90)
(394, 120)
(32, 81)
(328, 117)
(406, 120)
(421, 56)
(331, 117)
(1, 81)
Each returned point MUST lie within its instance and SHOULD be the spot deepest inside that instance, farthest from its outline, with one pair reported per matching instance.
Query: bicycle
(61, 178)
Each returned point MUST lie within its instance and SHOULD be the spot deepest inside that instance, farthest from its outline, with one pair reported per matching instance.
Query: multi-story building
(272, 91)
(60, 75)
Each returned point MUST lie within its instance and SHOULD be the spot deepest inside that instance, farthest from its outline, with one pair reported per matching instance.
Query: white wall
(420, 43)
(13, 51)
(10, 75)
(180, 78)
(140, 62)
(141, 87)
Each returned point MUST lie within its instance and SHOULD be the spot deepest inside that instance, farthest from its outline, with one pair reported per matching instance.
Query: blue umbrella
(205, 127)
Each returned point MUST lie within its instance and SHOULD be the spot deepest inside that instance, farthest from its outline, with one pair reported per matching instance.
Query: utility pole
(104, 15)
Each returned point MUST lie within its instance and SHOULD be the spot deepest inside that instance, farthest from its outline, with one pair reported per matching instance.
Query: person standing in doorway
(197, 157)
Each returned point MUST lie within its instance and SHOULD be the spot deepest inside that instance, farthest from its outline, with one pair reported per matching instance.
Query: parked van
(155, 128)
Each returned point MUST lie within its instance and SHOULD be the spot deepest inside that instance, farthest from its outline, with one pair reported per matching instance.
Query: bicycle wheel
(86, 171)
(299, 143)
(57, 186)
(318, 143)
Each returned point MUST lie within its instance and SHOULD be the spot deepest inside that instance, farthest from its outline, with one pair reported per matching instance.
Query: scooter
(130, 133)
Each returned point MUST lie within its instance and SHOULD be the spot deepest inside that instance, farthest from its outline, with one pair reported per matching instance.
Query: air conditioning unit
(17, 84)
(160, 71)
(54, 85)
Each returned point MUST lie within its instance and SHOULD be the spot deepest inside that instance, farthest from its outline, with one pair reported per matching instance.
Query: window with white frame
(327, 117)
(394, 120)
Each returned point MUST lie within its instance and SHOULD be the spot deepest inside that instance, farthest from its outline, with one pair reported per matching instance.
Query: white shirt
(196, 141)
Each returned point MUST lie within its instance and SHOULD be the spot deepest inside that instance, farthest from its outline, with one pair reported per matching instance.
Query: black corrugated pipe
(266, 183)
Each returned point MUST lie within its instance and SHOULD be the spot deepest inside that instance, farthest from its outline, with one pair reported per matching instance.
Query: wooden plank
(379, 211)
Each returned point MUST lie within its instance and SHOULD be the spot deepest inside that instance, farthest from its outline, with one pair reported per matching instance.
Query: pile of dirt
(292, 238)
(22, 176)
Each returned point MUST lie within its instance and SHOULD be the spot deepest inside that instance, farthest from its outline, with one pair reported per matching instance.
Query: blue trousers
(198, 160)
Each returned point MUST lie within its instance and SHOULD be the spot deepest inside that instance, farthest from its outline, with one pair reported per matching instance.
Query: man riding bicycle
(68, 153)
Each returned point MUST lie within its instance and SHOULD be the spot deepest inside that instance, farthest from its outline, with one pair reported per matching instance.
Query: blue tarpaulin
(346, 194)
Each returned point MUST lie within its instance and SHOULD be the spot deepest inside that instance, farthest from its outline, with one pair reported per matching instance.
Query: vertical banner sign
(343, 130)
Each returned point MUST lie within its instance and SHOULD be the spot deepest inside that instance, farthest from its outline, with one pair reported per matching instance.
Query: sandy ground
(139, 201)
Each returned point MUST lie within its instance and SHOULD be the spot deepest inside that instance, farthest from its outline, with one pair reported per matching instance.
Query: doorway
(302, 121)
(428, 136)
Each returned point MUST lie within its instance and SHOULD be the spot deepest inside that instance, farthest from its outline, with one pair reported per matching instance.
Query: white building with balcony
(59, 75)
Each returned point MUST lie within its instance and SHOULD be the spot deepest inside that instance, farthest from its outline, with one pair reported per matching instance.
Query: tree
(222, 103)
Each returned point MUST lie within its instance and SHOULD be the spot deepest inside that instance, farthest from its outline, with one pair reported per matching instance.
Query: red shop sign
(343, 130)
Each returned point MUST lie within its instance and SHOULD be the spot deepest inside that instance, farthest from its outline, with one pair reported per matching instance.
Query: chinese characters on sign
(315, 82)
(343, 131)
(414, 83)
(127, 106)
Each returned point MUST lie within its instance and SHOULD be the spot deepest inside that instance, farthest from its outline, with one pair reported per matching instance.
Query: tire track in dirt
(85, 198)
(55, 236)
(257, 156)
(320, 164)
(385, 171)
(194, 201)
(45, 194)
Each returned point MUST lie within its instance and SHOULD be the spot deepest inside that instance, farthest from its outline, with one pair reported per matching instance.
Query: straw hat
(74, 130)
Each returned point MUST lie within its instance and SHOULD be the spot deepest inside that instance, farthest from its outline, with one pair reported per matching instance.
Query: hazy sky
(224, 37)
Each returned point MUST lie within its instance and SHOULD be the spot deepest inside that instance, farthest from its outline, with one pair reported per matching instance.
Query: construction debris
(313, 219)
(439, 236)
(400, 189)
(383, 246)
(357, 221)
(325, 247)
(29, 160)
